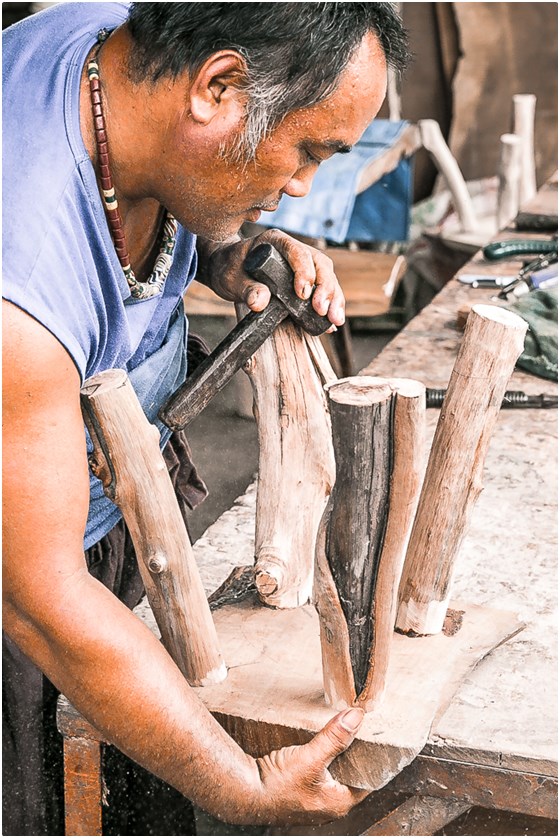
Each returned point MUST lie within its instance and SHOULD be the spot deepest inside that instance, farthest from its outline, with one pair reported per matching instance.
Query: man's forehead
(344, 115)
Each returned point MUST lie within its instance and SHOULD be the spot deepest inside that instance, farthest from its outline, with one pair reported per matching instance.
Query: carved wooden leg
(433, 141)
(509, 173)
(135, 477)
(492, 342)
(524, 105)
(296, 464)
(378, 434)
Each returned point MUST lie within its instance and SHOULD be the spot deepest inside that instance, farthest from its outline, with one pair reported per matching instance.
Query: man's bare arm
(89, 644)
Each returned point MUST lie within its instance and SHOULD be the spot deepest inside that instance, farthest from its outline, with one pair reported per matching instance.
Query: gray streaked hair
(294, 53)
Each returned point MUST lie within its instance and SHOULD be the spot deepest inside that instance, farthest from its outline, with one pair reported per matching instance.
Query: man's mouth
(254, 213)
(271, 206)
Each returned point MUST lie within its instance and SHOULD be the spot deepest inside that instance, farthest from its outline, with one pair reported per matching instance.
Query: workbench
(495, 744)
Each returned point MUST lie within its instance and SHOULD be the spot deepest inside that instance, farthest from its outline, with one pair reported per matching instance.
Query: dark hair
(294, 52)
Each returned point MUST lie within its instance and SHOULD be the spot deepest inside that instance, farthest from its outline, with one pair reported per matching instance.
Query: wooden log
(296, 463)
(492, 342)
(433, 141)
(408, 435)
(128, 461)
(378, 432)
(509, 174)
(524, 105)
(355, 527)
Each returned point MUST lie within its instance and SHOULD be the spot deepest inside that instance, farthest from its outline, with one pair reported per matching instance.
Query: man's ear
(217, 86)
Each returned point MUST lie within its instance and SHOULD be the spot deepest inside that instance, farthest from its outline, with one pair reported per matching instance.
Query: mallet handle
(266, 265)
(217, 369)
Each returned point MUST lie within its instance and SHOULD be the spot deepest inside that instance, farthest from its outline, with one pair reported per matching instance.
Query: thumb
(336, 736)
(256, 295)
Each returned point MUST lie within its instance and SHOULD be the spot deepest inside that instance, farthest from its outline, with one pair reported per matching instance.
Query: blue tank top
(60, 264)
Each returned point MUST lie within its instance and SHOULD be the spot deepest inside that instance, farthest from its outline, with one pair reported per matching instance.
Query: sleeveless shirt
(60, 265)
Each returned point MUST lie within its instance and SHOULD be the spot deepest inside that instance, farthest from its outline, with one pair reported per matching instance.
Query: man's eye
(310, 159)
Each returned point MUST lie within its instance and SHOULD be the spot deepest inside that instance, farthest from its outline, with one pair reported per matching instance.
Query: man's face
(212, 195)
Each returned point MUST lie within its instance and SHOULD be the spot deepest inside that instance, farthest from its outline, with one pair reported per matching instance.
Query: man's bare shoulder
(33, 359)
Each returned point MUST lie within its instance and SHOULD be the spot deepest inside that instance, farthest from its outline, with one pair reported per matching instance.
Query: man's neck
(130, 124)
(133, 148)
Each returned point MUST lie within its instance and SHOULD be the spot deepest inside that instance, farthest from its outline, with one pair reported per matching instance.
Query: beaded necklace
(155, 282)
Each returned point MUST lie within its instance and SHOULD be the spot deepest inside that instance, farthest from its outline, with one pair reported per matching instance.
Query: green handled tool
(519, 247)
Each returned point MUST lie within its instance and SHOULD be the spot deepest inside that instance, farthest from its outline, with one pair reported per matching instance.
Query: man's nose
(300, 183)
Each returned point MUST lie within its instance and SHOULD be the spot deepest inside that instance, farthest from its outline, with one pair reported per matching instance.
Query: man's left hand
(313, 275)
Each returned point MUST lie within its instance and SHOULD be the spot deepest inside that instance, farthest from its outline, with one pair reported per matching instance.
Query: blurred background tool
(512, 399)
(518, 247)
(541, 274)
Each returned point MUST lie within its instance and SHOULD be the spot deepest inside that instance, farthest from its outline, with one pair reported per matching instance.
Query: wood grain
(480, 785)
(128, 460)
(408, 435)
(296, 463)
(419, 815)
(82, 787)
(368, 279)
(379, 431)
(492, 342)
(273, 695)
(363, 443)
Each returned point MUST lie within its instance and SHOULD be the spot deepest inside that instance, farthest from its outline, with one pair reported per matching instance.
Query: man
(181, 120)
